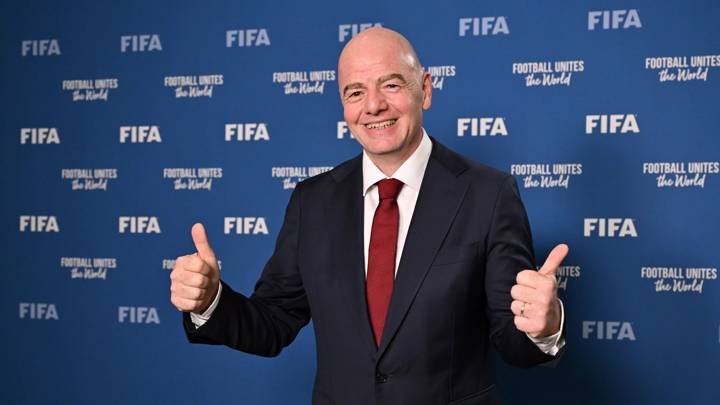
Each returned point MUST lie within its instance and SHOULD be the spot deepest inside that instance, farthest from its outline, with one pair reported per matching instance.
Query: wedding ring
(522, 309)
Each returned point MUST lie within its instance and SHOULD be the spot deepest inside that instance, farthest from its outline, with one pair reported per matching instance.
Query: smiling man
(414, 263)
(384, 91)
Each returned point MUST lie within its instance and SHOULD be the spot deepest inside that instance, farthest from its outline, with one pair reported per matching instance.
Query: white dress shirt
(411, 173)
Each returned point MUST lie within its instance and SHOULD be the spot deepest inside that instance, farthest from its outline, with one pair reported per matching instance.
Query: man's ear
(426, 91)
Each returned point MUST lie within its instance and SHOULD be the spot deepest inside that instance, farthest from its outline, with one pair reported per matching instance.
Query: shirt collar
(411, 172)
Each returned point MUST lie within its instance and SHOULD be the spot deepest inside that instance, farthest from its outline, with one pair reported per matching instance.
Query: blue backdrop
(126, 122)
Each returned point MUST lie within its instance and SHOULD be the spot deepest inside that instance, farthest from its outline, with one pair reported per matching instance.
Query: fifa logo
(246, 225)
(483, 26)
(140, 43)
(343, 131)
(140, 134)
(38, 223)
(482, 126)
(249, 131)
(39, 136)
(610, 227)
(40, 47)
(608, 330)
(614, 19)
(346, 31)
(138, 225)
(38, 310)
(611, 123)
(247, 37)
(138, 315)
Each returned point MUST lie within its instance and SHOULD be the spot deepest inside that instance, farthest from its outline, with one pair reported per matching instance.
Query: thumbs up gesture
(195, 278)
(535, 303)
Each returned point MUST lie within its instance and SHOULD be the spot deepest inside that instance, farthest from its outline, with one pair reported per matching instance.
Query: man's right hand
(195, 278)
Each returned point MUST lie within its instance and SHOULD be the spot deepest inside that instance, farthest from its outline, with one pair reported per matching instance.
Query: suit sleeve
(271, 318)
(510, 251)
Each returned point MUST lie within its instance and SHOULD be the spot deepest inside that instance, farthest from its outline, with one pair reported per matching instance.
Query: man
(409, 259)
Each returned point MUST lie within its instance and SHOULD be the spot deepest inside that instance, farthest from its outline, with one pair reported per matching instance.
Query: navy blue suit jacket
(450, 308)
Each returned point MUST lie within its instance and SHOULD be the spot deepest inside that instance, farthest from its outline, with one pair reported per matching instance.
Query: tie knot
(389, 188)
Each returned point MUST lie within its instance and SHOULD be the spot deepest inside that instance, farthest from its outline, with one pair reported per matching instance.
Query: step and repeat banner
(123, 123)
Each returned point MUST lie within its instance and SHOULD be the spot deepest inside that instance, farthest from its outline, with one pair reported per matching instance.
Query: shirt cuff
(199, 319)
(552, 344)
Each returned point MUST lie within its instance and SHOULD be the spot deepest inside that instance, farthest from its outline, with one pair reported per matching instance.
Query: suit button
(380, 378)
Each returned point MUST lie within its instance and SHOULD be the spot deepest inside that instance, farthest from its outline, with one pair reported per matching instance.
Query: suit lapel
(438, 202)
(346, 205)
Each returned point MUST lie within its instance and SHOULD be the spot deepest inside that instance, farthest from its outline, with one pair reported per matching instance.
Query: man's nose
(375, 102)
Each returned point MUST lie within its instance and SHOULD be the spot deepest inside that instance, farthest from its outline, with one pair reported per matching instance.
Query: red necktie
(381, 255)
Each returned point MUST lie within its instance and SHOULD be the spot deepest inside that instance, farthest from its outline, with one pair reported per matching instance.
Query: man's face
(383, 98)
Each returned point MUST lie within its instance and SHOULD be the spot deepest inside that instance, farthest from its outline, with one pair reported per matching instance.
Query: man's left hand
(535, 303)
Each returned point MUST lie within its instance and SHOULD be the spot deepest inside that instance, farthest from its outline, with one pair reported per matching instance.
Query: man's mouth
(381, 125)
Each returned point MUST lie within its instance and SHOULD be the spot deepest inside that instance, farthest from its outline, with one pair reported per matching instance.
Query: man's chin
(382, 148)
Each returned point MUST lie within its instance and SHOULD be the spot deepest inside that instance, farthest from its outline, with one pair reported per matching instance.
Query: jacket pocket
(484, 396)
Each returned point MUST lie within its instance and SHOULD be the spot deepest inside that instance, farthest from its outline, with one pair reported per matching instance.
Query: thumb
(201, 243)
(556, 256)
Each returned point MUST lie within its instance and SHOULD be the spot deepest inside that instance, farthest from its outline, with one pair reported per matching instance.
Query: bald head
(384, 92)
(380, 42)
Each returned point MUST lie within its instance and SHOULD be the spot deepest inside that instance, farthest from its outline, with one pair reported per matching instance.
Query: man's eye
(354, 94)
(392, 86)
